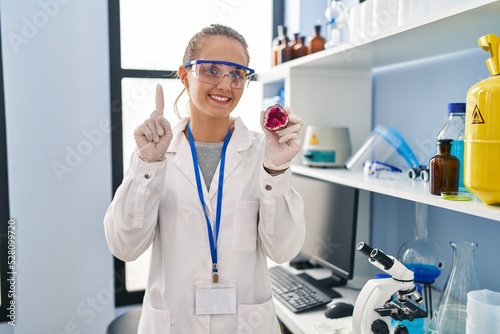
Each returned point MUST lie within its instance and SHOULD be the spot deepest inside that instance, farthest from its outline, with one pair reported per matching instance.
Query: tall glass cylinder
(452, 307)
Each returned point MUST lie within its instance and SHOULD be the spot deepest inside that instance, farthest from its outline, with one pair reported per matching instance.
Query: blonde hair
(194, 47)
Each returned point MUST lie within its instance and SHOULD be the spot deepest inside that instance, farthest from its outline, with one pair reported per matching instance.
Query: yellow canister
(482, 129)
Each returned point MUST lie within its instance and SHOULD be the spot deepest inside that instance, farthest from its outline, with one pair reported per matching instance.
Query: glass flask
(421, 255)
(451, 312)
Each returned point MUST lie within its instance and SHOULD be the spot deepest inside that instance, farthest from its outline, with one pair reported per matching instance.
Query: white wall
(56, 72)
(302, 15)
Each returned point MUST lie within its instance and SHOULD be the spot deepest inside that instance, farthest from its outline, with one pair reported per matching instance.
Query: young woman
(213, 198)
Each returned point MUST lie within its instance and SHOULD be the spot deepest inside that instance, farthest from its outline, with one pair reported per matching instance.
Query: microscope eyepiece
(381, 258)
(364, 248)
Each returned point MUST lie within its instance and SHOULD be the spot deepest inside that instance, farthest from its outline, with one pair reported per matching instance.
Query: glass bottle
(452, 307)
(284, 48)
(304, 47)
(443, 169)
(294, 43)
(454, 129)
(298, 48)
(317, 42)
(280, 50)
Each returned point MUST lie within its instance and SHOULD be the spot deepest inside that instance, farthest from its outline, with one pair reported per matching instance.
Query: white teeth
(219, 98)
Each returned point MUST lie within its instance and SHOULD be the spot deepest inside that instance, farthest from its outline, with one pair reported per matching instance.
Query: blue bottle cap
(456, 108)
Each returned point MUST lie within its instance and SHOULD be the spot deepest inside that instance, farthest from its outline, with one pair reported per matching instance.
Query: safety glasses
(213, 71)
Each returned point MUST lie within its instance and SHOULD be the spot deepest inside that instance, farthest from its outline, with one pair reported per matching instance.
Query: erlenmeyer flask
(452, 307)
(421, 255)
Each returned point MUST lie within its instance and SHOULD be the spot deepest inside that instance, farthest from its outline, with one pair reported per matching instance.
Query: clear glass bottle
(454, 129)
(452, 307)
(443, 169)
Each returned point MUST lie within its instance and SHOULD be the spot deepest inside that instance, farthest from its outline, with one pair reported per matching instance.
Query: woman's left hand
(282, 146)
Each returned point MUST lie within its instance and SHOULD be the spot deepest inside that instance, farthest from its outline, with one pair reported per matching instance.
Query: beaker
(452, 307)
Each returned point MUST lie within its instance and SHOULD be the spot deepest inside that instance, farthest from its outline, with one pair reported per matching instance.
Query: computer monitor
(331, 219)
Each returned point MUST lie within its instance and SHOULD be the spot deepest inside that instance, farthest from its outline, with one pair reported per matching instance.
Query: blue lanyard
(213, 242)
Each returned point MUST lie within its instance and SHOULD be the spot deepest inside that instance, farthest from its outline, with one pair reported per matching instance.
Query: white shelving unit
(417, 191)
(448, 31)
(332, 75)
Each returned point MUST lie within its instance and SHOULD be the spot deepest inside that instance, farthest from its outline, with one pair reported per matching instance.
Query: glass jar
(443, 169)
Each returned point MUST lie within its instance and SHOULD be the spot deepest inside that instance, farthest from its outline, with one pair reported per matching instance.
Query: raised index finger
(160, 102)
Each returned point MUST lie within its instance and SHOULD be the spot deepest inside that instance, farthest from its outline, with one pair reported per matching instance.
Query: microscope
(381, 299)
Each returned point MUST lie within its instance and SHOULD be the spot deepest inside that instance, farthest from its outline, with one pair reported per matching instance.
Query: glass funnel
(451, 312)
(421, 255)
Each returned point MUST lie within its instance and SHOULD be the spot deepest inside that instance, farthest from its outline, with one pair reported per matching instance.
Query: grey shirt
(208, 155)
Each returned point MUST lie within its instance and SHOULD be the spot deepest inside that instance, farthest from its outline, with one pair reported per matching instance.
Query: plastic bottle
(355, 27)
(337, 19)
(454, 129)
(482, 129)
(443, 169)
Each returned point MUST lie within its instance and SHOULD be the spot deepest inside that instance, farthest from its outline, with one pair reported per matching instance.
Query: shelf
(448, 31)
(417, 191)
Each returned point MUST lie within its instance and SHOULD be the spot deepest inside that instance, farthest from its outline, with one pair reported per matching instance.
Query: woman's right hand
(155, 134)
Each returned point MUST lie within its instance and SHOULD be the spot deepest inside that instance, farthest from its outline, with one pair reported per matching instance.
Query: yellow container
(482, 130)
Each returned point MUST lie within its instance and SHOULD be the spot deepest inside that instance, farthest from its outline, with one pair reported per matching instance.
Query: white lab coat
(157, 204)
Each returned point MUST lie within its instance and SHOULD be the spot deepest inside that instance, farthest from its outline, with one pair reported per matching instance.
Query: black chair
(126, 323)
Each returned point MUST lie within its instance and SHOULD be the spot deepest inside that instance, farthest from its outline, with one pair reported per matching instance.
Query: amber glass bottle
(298, 47)
(316, 42)
(303, 47)
(443, 169)
(281, 51)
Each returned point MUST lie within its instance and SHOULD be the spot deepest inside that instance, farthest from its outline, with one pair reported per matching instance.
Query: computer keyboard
(294, 292)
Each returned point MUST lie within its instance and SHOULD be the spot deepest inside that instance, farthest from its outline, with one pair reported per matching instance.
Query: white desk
(303, 323)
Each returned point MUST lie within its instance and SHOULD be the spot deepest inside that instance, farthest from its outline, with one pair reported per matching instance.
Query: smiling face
(208, 100)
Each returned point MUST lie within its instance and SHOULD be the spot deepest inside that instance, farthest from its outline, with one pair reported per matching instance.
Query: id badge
(215, 298)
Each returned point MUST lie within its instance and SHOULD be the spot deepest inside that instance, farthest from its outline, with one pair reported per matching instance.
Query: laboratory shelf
(412, 190)
(452, 30)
